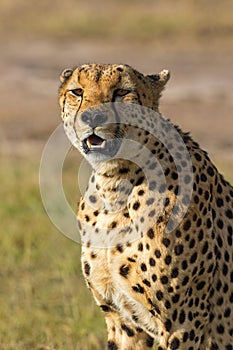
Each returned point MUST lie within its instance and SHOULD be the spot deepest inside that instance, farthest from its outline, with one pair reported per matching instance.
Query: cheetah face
(99, 132)
(88, 98)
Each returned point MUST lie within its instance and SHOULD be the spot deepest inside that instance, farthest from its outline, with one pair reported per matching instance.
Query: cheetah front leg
(124, 336)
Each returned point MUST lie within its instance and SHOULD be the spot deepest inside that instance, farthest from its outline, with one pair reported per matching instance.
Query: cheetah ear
(160, 79)
(66, 74)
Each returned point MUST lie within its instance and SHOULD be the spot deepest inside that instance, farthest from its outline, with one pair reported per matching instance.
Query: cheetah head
(88, 96)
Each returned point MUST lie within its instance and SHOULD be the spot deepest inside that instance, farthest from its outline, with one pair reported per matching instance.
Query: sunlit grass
(120, 20)
(44, 303)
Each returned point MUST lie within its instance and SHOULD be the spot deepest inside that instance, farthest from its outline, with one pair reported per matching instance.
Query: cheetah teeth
(90, 145)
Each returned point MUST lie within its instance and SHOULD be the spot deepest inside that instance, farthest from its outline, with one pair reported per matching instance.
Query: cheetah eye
(76, 92)
(121, 92)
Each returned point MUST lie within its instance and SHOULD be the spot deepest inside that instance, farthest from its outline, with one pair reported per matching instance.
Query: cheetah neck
(114, 181)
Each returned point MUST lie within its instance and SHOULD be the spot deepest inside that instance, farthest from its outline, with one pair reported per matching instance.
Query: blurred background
(44, 304)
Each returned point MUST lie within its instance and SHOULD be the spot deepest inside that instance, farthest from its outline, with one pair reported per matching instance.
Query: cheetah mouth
(94, 141)
(97, 144)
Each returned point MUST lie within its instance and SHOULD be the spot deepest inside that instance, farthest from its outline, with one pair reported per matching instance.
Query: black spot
(187, 179)
(174, 176)
(220, 223)
(139, 181)
(138, 289)
(87, 218)
(113, 224)
(175, 298)
(220, 301)
(214, 346)
(87, 268)
(175, 272)
(229, 214)
(128, 330)
(220, 329)
(131, 259)
(174, 315)
(193, 258)
(192, 243)
(162, 188)
(123, 170)
(105, 308)
(219, 189)
(179, 249)
(141, 192)
(112, 345)
(92, 199)
(178, 233)
(150, 201)
(229, 347)
(197, 156)
(219, 202)
(196, 199)
(164, 279)
(157, 253)
(185, 337)
(199, 222)
(93, 255)
(168, 259)
(124, 270)
(151, 213)
(205, 248)
(153, 166)
(167, 304)
(152, 262)
(168, 325)
(146, 282)
(152, 185)
(119, 247)
(185, 281)
(225, 269)
(206, 195)
(159, 295)
(203, 177)
(166, 242)
(150, 233)
(210, 171)
(184, 264)
(182, 317)
(136, 205)
(149, 342)
(187, 225)
(143, 267)
(140, 247)
(175, 344)
(201, 285)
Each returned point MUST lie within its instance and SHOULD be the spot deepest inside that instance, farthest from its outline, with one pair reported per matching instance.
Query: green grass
(44, 303)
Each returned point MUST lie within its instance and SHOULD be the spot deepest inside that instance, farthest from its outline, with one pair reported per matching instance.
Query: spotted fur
(170, 289)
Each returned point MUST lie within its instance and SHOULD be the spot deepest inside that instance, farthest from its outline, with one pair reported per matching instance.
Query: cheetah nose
(93, 119)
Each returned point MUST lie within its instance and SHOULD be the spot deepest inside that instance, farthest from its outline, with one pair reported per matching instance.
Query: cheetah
(158, 261)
